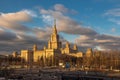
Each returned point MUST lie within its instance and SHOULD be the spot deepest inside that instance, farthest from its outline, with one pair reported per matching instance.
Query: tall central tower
(54, 42)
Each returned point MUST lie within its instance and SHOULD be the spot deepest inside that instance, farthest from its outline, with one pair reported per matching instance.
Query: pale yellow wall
(24, 54)
(37, 55)
(79, 54)
(67, 50)
(27, 55)
(89, 52)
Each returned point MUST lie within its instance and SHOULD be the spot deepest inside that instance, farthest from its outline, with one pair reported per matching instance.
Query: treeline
(97, 60)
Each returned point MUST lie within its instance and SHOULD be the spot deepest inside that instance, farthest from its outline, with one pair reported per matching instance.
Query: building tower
(34, 47)
(67, 45)
(67, 48)
(75, 47)
(89, 52)
(54, 42)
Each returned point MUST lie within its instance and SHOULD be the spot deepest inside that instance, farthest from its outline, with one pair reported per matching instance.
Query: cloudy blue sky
(88, 23)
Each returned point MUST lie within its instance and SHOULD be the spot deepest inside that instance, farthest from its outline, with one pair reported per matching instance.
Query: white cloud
(113, 30)
(20, 16)
(65, 23)
(12, 21)
(44, 34)
(31, 13)
(113, 12)
(113, 15)
(104, 42)
(47, 19)
(115, 21)
(61, 8)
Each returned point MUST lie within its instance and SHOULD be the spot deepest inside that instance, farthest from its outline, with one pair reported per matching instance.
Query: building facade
(53, 48)
(27, 55)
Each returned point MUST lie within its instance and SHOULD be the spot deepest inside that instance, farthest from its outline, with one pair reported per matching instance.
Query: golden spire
(54, 29)
(54, 22)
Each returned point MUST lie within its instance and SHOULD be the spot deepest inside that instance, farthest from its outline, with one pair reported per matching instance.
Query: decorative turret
(67, 45)
(89, 52)
(67, 48)
(75, 47)
(34, 47)
(44, 47)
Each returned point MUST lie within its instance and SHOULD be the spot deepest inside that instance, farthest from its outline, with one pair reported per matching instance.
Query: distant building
(15, 54)
(27, 55)
(53, 48)
(89, 52)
